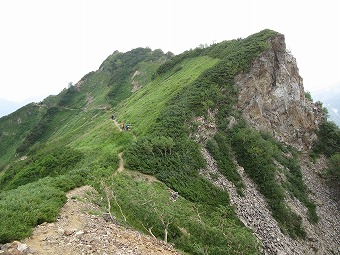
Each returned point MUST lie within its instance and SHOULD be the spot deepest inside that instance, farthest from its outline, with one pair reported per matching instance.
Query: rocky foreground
(80, 229)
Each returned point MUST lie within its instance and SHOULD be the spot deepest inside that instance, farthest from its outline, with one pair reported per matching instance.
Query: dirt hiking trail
(117, 125)
(80, 230)
(121, 163)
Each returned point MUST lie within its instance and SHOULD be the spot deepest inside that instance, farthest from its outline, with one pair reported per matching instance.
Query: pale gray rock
(271, 98)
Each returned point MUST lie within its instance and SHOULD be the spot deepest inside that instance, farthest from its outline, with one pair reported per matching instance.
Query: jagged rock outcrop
(271, 97)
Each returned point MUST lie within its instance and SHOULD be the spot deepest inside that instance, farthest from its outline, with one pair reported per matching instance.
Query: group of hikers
(124, 126)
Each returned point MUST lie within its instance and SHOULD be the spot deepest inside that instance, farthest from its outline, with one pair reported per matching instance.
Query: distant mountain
(7, 107)
(330, 97)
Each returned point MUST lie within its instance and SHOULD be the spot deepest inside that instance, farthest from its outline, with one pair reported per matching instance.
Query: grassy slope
(143, 108)
(185, 87)
(14, 128)
(86, 130)
(169, 137)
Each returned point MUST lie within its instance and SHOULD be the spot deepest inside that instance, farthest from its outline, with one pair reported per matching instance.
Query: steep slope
(15, 127)
(271, 97)
(219, 128)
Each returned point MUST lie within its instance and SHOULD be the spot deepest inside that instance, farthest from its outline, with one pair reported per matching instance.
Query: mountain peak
(272, 98)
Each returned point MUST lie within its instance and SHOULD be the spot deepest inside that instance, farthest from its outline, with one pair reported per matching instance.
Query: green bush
(71, 98)
(54, 163)
(333, 173)
(257, 156)
(289, 158)
(38, 131)
(328, 139)
(334, 167)
(14, 128)
(308, 96)
(220, 149)
(176, 164)
(193, 228)
(328, 143)
(23, 208)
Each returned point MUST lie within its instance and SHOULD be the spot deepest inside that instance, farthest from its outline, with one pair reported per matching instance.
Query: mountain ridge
(7, 107)
(186, 106)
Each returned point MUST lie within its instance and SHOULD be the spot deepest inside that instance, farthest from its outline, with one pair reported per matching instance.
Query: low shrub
(23, 208)
(54, 163)
(195, 228)
(257, 157)
(220, 149)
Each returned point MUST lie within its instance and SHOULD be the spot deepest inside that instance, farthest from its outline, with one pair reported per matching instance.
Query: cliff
(271, 97)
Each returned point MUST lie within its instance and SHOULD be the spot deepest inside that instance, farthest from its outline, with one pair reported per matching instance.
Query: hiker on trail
(127, 126)
(123, 126)
(112, 117)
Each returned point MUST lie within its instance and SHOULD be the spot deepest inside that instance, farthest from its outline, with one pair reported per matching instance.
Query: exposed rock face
(206, 127)
(271, 97)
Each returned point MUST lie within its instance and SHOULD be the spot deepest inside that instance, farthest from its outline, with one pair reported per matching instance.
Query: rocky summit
(272, 98)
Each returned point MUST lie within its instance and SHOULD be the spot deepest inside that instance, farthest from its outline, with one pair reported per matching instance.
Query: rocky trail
(117, 125)
(80, 229)
(121, 163)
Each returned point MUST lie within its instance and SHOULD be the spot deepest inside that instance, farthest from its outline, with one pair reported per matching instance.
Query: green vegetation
(328, 139)
(220, 148)
(308, 96)
(288, 157)
(34, 203)
(52, 164)
(328, 143)
(14, 128)
(69, 140)
(38, 131)
(319, 104)
(333, 172)
(257, 155)
(193, 228)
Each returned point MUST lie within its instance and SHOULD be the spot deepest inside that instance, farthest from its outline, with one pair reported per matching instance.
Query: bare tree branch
(109, 195)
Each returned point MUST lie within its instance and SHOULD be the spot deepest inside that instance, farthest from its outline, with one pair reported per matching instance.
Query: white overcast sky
(45, 44)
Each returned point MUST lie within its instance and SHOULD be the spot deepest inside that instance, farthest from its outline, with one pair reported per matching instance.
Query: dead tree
(109, 195)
